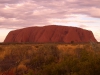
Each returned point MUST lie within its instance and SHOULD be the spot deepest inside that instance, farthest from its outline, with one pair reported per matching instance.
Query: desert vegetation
(50, 59)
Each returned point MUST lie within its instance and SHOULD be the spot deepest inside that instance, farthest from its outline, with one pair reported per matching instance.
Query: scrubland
(50, 59)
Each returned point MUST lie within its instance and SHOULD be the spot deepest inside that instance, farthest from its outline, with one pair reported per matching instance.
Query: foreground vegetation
(50, 59)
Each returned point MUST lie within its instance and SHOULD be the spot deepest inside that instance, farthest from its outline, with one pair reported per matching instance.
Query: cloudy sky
(16, 14)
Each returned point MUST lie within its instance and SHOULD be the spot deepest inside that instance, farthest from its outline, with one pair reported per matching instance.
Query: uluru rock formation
(50, 34)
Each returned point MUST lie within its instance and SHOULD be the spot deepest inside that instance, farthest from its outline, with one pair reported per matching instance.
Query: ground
(50, 59)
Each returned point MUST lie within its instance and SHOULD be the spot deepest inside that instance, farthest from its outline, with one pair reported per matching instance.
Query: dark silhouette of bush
(72, 42)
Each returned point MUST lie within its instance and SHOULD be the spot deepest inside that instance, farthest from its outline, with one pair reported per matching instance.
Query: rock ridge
(50, 34)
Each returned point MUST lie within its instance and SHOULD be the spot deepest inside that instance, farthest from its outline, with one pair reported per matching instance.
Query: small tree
(72, 42)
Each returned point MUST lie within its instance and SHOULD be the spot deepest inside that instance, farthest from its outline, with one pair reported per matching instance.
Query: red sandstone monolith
(50, 34)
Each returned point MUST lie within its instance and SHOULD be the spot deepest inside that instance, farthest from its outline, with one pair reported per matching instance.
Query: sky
(16, 14)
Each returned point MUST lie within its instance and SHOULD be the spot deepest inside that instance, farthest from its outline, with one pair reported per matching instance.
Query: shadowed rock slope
(50, 34)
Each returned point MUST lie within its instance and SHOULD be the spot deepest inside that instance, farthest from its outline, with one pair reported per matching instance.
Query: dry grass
(24, 53)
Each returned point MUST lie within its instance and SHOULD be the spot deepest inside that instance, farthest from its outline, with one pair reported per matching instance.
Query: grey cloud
(88, 3)
(10, 1)
(39, 12)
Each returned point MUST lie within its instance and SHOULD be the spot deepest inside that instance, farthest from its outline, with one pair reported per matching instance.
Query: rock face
(50, 34)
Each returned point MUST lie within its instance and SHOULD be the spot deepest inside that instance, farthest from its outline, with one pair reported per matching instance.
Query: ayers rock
(50, 34)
